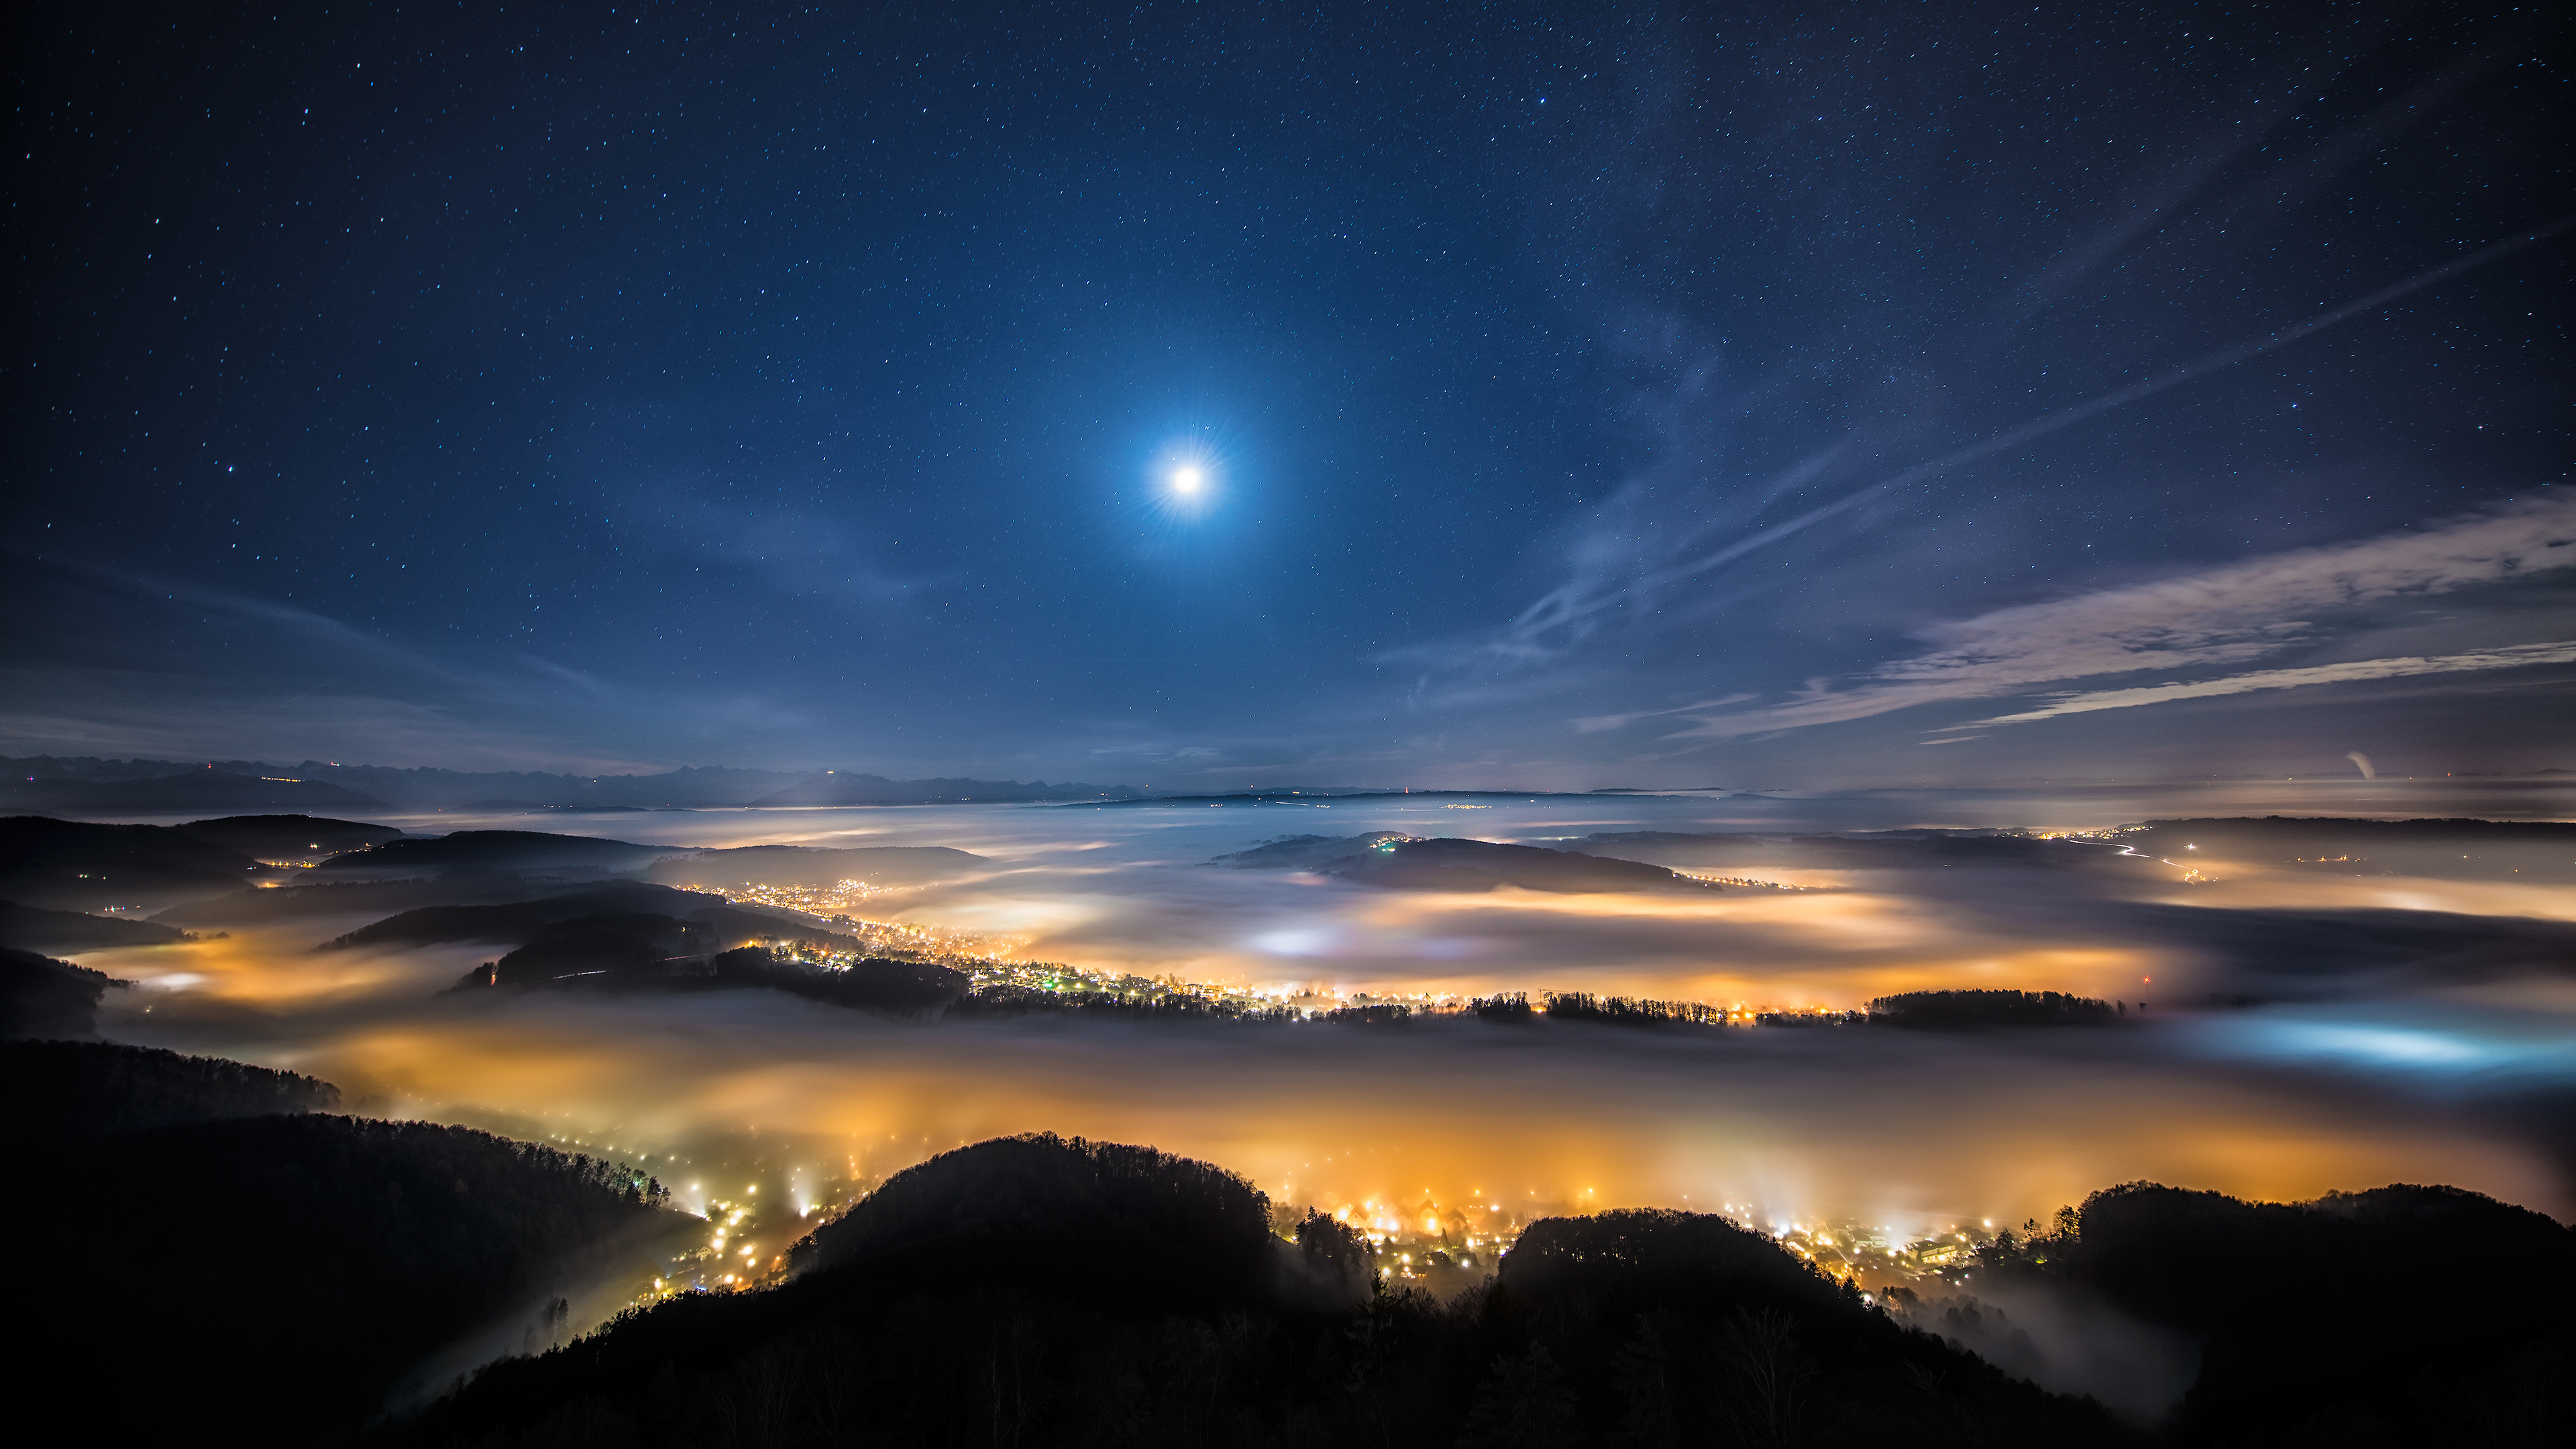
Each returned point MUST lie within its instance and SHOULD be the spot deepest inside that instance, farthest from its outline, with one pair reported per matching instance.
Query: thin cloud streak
(2224, 616)
(2067, 417)
(2518, 657)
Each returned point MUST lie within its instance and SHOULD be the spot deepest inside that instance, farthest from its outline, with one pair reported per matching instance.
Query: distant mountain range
(87, 785)
(835, 787)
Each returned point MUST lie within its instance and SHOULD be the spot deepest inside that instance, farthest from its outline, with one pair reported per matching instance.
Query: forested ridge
(270, 1271)
(1040, 1291)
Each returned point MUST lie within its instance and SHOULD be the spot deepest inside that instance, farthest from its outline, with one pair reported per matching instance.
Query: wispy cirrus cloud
(2559, 652)
(2219, 617)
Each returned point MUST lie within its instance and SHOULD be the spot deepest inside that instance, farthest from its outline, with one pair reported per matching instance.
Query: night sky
(1579, 397)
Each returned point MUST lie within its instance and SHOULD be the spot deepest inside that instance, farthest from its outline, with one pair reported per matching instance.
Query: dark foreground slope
(1042, 1292)
(203, 1257)
(68, 865)
(2403, 1315)
(41, 997)
(270, 1277)
(1037, 1291)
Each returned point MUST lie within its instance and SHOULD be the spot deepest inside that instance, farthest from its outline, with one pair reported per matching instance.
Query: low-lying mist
(2287, 1031)
(2284, 1027)
(2379, 1024)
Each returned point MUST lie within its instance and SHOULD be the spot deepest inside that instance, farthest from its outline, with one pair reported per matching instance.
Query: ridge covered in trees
(1401, 862)
(262, 1270)
(1957, 1010)
(43, 997)
(1044, 1291)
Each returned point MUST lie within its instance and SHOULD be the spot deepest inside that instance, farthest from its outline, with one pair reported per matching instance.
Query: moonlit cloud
(2218, 617)
(2563, 652)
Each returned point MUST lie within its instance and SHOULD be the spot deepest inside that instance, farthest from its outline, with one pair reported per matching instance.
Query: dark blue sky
(1593, 396)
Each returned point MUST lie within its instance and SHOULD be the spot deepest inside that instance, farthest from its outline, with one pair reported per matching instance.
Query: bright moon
(1186, 480)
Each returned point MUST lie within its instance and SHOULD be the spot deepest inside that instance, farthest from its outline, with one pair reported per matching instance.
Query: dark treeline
(652, 952)
(276, 1274)
(1042, 1292)
(29, 929)
(807, 865)
(1866, 850)
(1402, 862)
(245, 1266)
(1381, 1014)
(214, 1257)
(1007, 1000)
(1951, 1010)
(877, 983)
(43, 997)
(330, 898)
(619, 953)
(517, 920)
(648, 951)
(73, 866)
(86, 1089)
(2523, 850)
(1036, 1291)
(1630, 1011)
(489, 850)
(1514, 1008)
(2404, 1315)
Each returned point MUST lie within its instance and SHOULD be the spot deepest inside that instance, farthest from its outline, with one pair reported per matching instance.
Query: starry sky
(1577, 396)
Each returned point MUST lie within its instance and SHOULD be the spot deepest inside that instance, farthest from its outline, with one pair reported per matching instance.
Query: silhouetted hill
(2403, 1315)
(805, 865)
(289, 837)
(1079, 1293)
(1627, 1011)
(657, 953)
(1039, 1291)
(1969, 1010)
(1880, 850)
(304, 1266)
(64, 1089)
(311, 897)
(637, 948)
(1714, 1334)
(215, 1271)
(516, 921)
(1402, 863)
(1099, 1221)
(1307, 852)
(875, 983)
(41, 997)
(75, 866)
(30, 929)
(617, 951)
(835, 787)
(493, 850)
(173, 794)
(2536, 851)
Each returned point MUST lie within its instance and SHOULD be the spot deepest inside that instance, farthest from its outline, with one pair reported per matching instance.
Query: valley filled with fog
(2292, 1027)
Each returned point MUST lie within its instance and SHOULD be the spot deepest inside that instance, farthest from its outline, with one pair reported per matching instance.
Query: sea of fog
(2364, 1064)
